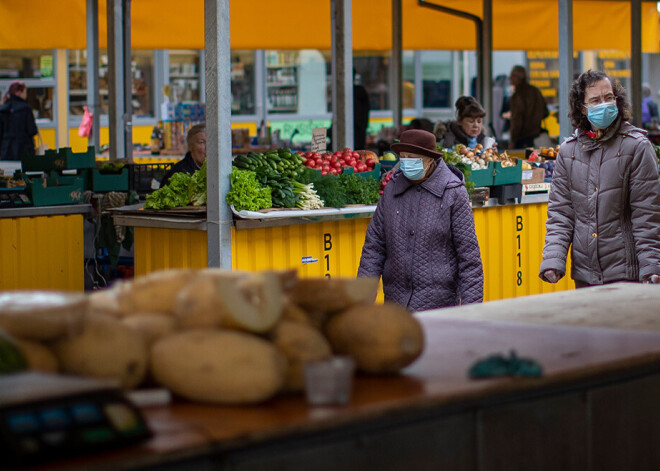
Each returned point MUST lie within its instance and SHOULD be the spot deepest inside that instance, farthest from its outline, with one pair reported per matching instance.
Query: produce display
(330, 163)
(214, 336)
(183, 190)
(478, 158)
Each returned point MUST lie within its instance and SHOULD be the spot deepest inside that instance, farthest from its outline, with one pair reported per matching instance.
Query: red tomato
(340, 170)
(308, 154)
(325, 167)
(311, 163)
(347, 149)
(355, 155)
(333, 171)
(362, 168)
(352, 162)
(381, 192)
(371, 163)
(324, 173)
(336, 165)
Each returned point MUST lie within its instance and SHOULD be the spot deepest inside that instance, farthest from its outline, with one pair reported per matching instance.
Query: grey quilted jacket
(422, 241)
(605, 200)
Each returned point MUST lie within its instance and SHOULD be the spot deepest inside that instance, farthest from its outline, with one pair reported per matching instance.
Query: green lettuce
(197, 188)
(247, 193)
(173, 195)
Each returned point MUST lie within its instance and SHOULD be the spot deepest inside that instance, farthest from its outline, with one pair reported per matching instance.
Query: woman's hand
(552, 276)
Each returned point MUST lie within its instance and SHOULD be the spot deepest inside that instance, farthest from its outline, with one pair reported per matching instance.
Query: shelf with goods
(282, 79)
(184, 76)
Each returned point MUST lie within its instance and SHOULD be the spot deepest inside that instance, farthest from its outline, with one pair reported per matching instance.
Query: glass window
(373, 68)
(36, 68)
(436, 79)
(408, 97)
(143, 79)
(184, 76)
(243, 83)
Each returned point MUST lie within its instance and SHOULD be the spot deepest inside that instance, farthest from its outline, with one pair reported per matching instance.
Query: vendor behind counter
(194, 158)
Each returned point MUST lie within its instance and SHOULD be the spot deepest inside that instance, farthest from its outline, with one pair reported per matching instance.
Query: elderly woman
(605, 197)
(468, 127)
(421, 239)
(194, 158)
(17, 124)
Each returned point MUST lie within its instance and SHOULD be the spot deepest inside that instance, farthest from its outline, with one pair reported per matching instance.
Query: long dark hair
(577, 93)
(469, 107)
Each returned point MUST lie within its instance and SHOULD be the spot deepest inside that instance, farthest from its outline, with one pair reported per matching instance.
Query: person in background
(421, 239)
(17, 124)
(194, 158)
(527, 110)
(468, 127)
(605, 196)
(361, 109)
(649, 108)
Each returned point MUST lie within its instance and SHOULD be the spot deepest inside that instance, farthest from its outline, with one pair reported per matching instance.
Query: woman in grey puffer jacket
(421, 238)
(605, 197)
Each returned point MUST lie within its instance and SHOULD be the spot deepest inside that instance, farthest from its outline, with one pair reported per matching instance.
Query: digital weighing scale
(45, 416)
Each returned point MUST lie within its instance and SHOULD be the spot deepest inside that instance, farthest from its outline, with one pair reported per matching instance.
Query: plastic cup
(330, 381)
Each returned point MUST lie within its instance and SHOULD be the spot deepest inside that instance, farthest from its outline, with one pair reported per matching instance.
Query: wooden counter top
(437, 384)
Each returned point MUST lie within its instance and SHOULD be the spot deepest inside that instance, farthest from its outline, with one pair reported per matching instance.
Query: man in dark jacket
(528, 109)
(421, 239)
(17, 124)
(194, 158)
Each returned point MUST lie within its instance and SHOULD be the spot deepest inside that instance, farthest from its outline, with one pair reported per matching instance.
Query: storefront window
(408, 97)
(184, 76)
(36, 68)
(436, 79)
(243, 83)
(141, 70)
(373, 67)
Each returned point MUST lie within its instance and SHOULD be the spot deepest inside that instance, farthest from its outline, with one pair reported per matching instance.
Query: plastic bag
(85, 128)
(41, 148)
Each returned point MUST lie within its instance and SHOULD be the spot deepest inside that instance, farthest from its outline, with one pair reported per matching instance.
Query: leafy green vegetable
(360, 190)
(197, 188)
(247, 193)
(173, 195)
(329, 188)
(451, 157)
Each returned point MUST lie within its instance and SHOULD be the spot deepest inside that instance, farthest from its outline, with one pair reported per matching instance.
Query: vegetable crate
(62, 159)
(109, 181)
(507, 175)
(483, 177)
(375, 173)
(58, 189)
(141, 176)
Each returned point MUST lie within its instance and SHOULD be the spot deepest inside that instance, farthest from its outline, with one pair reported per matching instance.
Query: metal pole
(116, 89)
(396, 88)
(565, 65)
(93, 98)
(342, 71)
(636, 60)
(486, 59)
(218, 131)
(128, 82)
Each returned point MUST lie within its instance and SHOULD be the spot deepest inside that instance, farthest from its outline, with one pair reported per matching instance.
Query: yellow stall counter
(42, 248)
(510, 238)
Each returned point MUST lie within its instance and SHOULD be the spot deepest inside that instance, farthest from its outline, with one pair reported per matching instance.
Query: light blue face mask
(603, 114)
(412, 168)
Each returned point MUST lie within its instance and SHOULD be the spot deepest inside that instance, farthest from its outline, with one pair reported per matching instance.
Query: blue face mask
(412, 168)
(603, 114)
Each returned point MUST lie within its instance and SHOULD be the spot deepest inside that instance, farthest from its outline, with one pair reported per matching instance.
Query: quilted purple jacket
(421, 240)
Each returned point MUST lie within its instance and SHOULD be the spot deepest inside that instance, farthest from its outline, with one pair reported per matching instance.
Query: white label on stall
(309, 260)
(318, 139)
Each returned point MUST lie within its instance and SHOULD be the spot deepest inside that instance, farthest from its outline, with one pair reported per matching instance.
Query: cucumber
(11, 357)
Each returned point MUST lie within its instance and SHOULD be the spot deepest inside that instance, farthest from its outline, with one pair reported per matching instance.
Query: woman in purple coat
(421, 239)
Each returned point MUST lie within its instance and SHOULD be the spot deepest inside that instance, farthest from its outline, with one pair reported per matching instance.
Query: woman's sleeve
(374, 251)
(31, 124)
(464, 237)
(645, 208)
(561, 221)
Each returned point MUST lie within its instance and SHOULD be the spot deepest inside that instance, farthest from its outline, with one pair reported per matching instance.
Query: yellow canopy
(302, 24)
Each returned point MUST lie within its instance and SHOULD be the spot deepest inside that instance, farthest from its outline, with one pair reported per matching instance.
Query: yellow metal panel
(510, 237)
(45, 252)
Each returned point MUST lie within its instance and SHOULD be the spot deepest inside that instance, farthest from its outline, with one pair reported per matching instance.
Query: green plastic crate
(109, 181)
(40, 163)
(67, 159)
(507, 175)
(375, 173)
(45, 192)
(484, 177)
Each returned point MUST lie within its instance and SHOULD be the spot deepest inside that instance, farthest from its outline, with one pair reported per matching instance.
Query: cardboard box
(535, 175)
(240, 137)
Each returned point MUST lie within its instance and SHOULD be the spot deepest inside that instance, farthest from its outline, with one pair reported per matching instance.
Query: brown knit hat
(417, 141)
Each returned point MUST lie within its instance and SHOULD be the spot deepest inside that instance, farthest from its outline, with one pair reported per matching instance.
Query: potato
(106, 301)
(154, 293)
(250, 302)
(218, 366)
(300, 343)
(152, 327)
(38, 356)
(380, 338)
(336, 294)
(106, 349)
(41, 315)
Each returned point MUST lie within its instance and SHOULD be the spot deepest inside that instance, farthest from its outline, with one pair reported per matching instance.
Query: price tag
(319, 139)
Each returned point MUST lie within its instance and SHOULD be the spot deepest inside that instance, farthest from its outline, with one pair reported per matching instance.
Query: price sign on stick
(318, 139)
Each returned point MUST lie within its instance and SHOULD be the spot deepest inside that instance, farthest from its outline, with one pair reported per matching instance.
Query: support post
(636, 60)
(565, 66)
(218, 131)
(396, 64)
(93, 98)
(485, 58)
(342, 73)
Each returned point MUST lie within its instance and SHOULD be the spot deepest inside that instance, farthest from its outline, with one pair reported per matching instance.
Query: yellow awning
(302, 24)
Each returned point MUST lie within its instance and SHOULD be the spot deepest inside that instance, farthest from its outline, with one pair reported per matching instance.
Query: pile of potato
(211, 335)
(478, 158)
